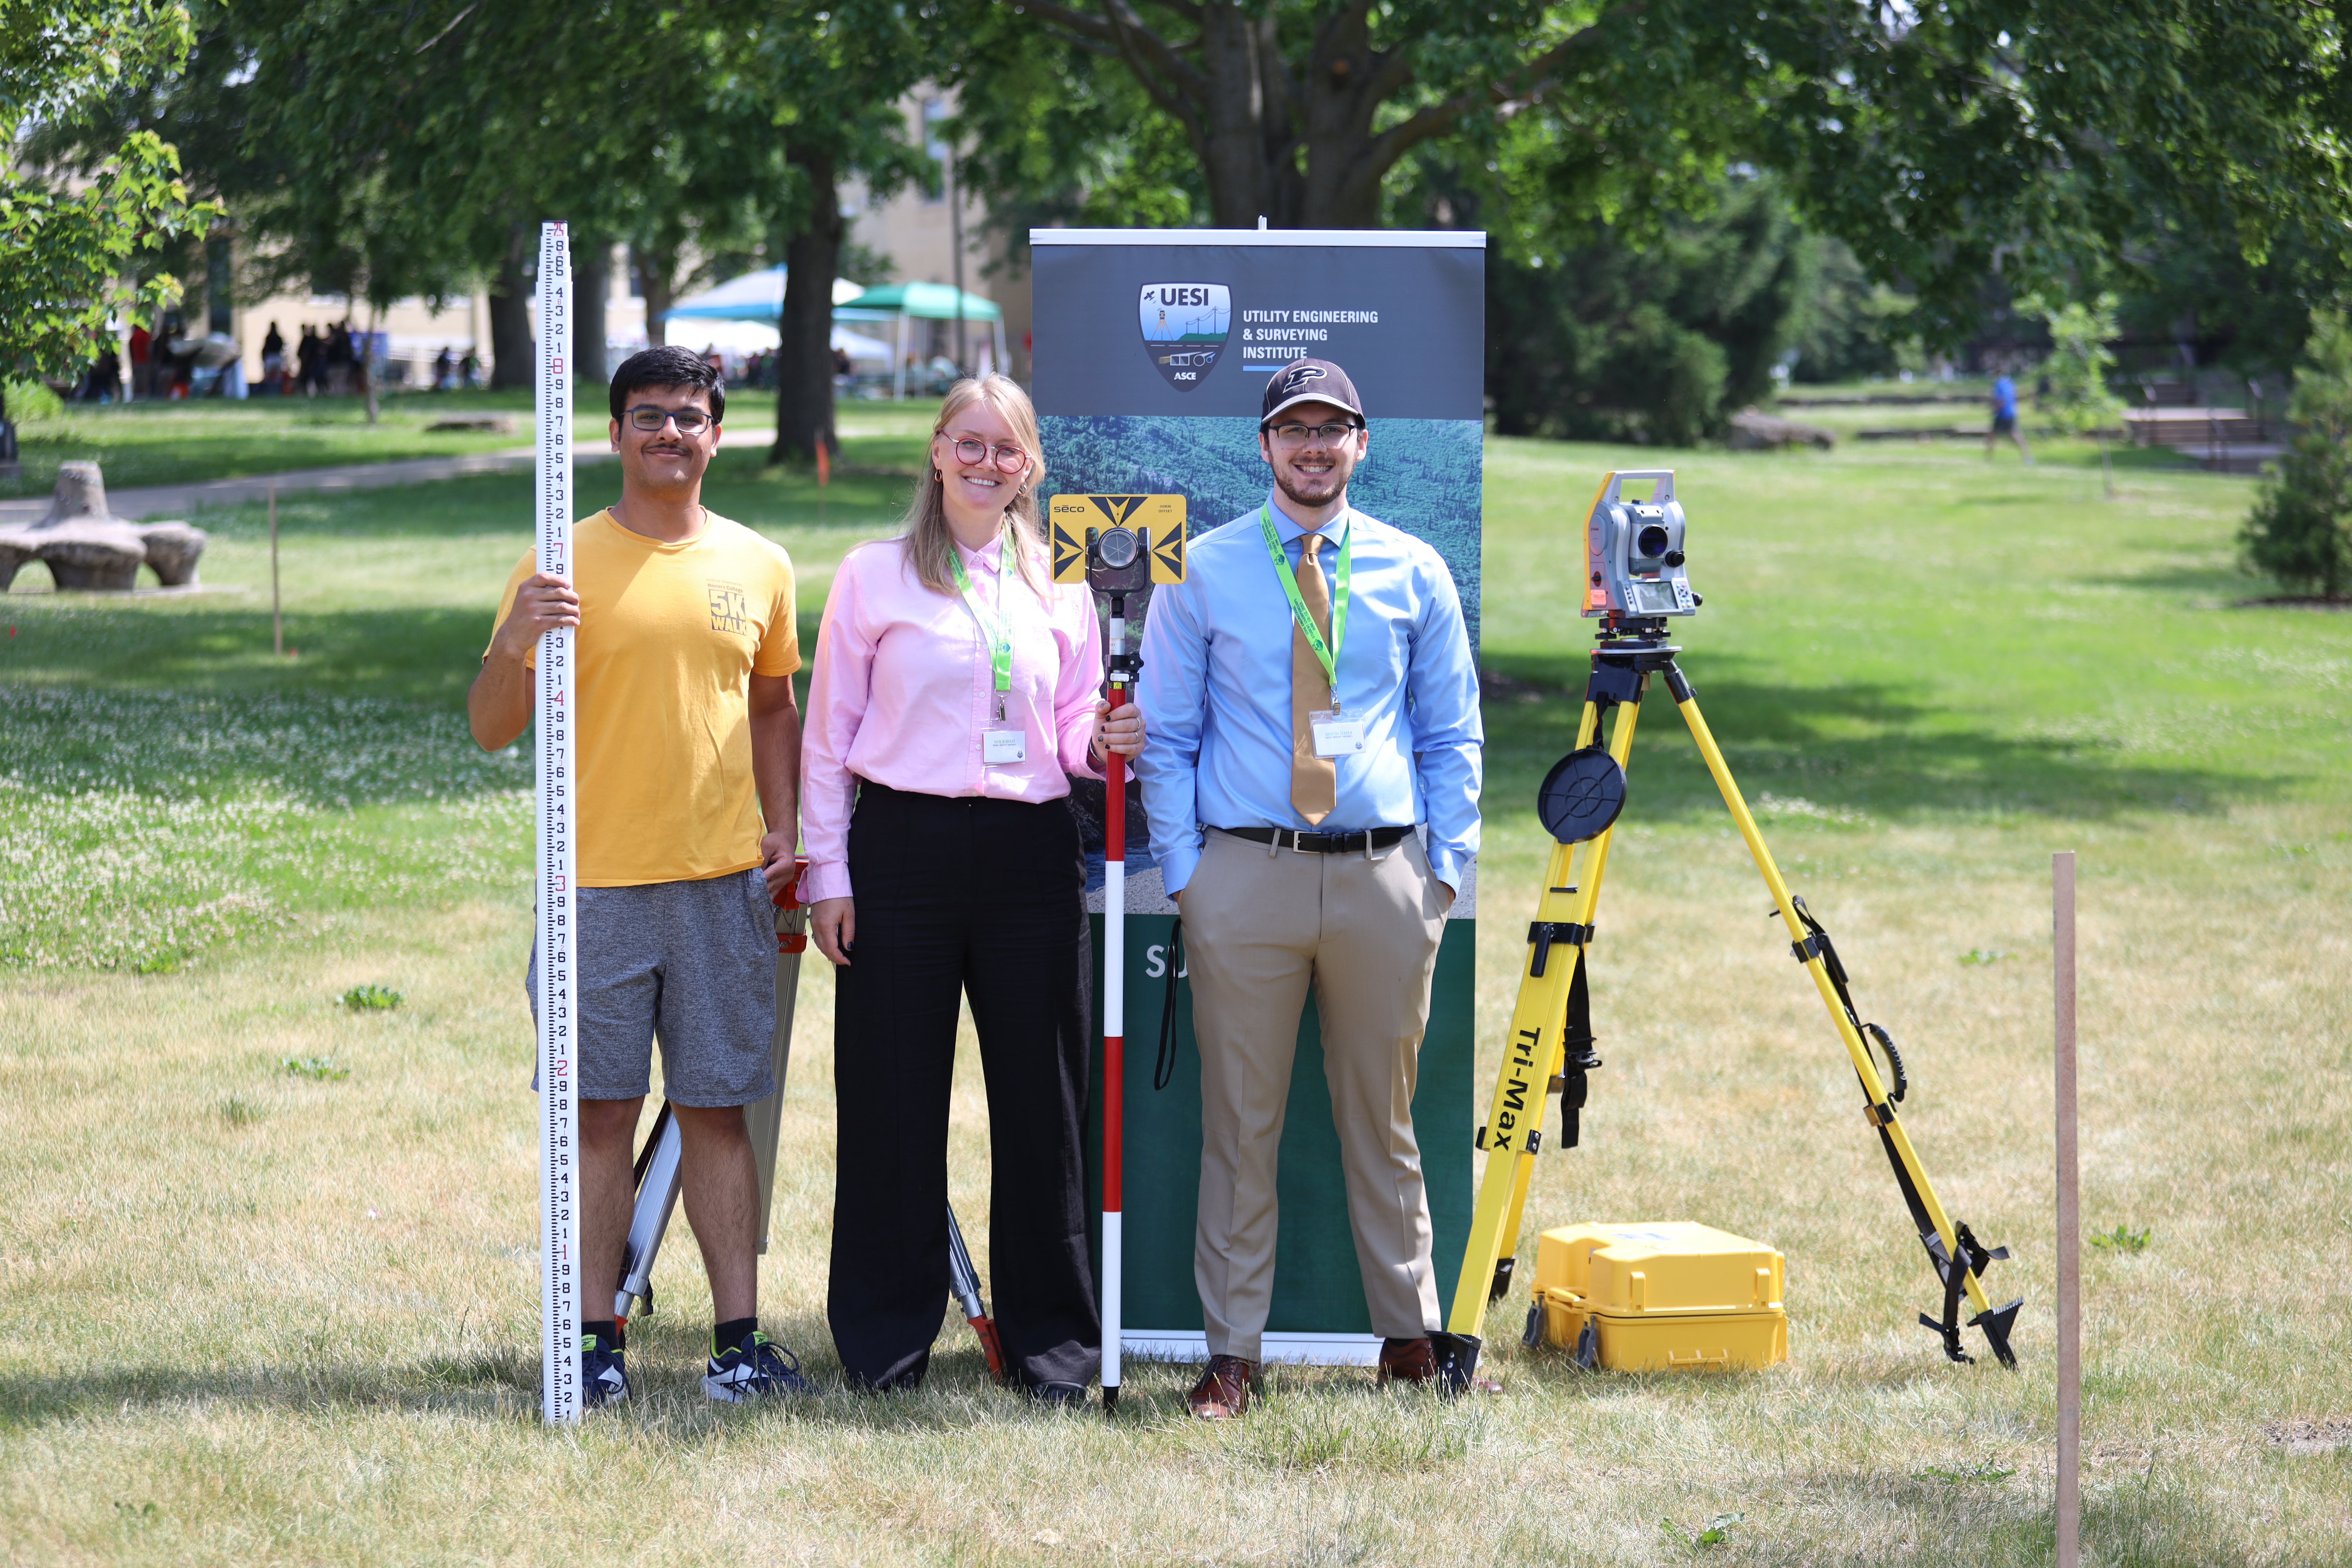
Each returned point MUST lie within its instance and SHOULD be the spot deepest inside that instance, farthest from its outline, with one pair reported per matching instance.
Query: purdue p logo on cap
(1310, 381)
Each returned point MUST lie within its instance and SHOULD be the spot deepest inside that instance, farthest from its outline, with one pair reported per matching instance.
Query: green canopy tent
(931, 302)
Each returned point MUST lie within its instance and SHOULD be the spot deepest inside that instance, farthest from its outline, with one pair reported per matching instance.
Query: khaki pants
(1258, 929)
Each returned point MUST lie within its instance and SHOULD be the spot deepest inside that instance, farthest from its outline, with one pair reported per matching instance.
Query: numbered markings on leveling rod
(1582, 795)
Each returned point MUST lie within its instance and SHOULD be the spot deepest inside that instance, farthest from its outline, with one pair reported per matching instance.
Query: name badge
(1004, 745)
(1335, 736)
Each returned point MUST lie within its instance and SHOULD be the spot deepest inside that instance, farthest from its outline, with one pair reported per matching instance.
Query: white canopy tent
(734, 337)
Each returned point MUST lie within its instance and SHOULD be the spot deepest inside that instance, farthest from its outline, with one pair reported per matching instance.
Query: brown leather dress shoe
(1415, 1360)
(1223, 1390)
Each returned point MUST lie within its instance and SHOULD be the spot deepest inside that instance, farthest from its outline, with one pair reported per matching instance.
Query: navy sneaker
(753, 1370)
(604, 1380)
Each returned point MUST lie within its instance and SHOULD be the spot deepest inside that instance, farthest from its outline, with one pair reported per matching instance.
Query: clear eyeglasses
(972, 451)
(691, 421)
(1287, 436)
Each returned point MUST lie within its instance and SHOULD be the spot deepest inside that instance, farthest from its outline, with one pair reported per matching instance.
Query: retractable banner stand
(1151, 350)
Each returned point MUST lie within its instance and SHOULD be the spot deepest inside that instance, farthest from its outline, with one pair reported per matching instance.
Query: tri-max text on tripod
(1633, 582)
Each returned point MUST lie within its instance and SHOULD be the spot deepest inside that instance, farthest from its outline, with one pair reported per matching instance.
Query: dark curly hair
(668, 366)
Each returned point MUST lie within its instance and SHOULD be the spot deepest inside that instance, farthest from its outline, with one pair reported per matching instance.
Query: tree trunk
(511, 321)
(1293, 143)
(1256, 117)
(659, 271)
(592, 290)
(804, 358)
(367, 360)
(1240, 131)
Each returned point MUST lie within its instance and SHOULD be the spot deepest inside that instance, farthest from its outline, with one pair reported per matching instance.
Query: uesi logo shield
(1184, 329)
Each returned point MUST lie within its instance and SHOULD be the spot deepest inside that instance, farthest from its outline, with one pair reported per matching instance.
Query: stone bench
(87, 547)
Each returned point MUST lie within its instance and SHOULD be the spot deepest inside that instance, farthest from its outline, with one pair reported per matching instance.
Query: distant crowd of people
(170, 364)
(328, 364)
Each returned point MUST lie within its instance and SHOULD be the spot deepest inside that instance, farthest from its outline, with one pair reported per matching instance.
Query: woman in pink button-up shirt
(954, 693)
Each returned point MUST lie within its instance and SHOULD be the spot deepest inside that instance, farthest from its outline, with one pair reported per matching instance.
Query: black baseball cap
(1310, 381)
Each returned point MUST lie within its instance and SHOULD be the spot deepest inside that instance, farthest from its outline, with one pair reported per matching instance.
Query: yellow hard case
(1662, 1296)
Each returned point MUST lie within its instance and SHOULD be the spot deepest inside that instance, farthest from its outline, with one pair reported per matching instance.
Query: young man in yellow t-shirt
(689, 764)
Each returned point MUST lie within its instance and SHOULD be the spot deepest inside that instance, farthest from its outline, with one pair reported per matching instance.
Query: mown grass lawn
(262, 1316)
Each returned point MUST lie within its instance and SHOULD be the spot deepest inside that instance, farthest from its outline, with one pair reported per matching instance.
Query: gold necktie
(1314, 781)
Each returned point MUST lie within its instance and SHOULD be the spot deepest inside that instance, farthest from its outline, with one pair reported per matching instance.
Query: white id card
(1335, 736)
(1004, 745)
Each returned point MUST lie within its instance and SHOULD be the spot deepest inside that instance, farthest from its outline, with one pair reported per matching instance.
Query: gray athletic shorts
(692, 964)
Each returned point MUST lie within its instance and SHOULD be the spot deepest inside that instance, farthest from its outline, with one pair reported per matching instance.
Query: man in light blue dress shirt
(1313, 709)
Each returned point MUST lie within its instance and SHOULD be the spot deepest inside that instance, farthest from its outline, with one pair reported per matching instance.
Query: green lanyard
(1329, 656)
(999, 635)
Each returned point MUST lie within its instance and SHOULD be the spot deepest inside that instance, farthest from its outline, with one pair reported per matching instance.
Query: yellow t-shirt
(669, 636)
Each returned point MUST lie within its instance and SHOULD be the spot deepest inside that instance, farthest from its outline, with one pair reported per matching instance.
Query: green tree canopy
(64, 253)
(1942, 142)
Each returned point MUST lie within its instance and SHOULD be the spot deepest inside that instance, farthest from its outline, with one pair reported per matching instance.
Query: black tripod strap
(1163, 1069)
(1929, 1237)
(1576, 1058)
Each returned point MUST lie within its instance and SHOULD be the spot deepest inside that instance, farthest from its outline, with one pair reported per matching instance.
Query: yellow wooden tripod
(1550, 1041)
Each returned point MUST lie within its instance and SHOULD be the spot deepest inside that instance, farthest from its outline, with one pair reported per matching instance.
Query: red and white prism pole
(558, 1103)
(1114, 1085)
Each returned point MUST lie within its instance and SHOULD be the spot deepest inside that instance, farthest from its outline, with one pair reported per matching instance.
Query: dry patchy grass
(260, 1316)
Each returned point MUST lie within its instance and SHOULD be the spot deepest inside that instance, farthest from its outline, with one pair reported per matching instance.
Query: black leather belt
(1310, 843)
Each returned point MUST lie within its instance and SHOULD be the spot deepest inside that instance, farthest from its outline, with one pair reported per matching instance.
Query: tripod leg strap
(1576, 1058)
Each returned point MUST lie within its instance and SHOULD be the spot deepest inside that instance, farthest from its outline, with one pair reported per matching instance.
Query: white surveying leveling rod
(558, 797)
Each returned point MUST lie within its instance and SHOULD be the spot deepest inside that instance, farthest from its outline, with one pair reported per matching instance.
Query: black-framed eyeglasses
(1297, 434)
(972, 451)
(691, 421)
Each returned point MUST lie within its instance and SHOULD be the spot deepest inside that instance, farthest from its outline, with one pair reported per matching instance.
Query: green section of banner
(1316, 1287)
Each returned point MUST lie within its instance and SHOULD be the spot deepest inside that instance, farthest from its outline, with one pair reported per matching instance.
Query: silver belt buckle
(1296, 835)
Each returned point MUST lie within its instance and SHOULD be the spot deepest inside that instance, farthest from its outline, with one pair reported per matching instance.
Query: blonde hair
(930, 545)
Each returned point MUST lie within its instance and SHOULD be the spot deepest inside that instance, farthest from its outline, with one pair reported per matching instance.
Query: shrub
(2078, 401)
(1600, 341)
(2300, 531)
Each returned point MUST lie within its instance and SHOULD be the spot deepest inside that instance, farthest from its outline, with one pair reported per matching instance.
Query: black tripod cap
(1580, 797)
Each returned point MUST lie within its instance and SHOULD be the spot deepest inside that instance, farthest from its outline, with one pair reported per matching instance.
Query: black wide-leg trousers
(984, 898)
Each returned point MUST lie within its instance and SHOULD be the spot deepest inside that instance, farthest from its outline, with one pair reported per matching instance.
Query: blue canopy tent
(927, 301)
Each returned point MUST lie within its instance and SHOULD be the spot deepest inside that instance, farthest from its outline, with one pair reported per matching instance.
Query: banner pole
(2070, 1221)
(559, 1110)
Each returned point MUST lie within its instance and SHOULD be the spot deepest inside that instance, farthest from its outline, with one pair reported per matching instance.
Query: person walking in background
(443, 375)
(688, 765)
(105, 382)
(273, 360)
(142, 364)
(338, 359)
(954, 693)
(469, 370)
(309, 368)
(2004, 417)
(1312, 700)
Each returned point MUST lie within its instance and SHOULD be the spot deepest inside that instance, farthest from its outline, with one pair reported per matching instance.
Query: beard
(1308, 491)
